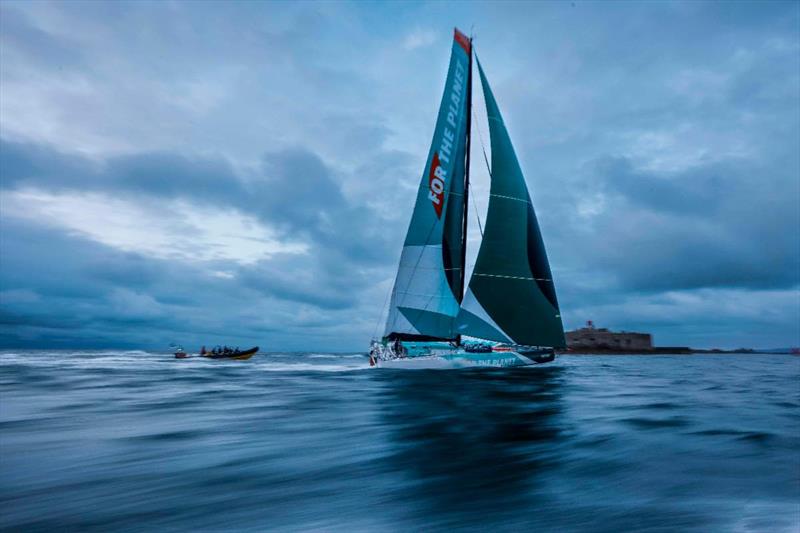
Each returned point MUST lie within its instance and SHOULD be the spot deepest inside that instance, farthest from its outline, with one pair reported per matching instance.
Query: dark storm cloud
(41, 164)
(55, 282)
(81, 291)
(35, 45)
(292, 190)
(715, 225)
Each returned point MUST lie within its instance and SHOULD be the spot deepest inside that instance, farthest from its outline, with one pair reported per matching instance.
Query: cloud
(77, 293)
(711, 226)
(246, 172)
(292, 192)
(174, 230)
(419, 38)
(166, 243)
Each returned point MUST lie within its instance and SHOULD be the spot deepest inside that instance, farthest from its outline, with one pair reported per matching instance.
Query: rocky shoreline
(672, 350)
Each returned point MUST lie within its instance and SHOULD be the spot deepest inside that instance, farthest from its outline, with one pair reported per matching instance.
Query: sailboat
(508, 314)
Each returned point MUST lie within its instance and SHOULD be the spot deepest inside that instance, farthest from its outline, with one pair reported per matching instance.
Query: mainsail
(511, 297)
(429, 284)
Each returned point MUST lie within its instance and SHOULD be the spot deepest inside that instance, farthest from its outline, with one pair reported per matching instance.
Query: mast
(466, 178)
(466, 186)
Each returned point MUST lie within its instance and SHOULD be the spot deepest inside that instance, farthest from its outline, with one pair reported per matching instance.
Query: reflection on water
(292, 442)
(471, 443)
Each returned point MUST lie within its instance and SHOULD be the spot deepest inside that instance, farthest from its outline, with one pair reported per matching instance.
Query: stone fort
(590, 337)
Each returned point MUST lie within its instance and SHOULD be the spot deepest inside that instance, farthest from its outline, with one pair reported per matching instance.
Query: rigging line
(421, 294)
(383, 308)
(416, 264)
(477, 215)
(424, 309)
(488, 169)
(413, 271)
(483, 146)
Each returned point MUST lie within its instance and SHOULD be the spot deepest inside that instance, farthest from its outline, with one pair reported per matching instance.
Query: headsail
(429, 283)
(511, 296)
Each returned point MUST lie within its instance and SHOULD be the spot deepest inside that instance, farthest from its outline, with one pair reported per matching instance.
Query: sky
(244, 173)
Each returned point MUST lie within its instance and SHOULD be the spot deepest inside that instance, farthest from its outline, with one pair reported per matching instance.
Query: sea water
(138, 441)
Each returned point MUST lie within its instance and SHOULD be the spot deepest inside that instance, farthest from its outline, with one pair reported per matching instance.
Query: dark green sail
(511, 295)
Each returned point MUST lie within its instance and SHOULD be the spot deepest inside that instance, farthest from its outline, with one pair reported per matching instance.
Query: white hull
(463, 359)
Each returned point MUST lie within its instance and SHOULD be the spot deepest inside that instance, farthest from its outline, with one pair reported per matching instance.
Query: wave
(332, 356)
(310, 367)
(66, 354)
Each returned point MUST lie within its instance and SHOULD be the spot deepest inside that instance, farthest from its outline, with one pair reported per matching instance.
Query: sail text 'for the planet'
(438, 174)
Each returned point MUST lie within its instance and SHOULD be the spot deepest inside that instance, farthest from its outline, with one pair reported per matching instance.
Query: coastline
(667, 350)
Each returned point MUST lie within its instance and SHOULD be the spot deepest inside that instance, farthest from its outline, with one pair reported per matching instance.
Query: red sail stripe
(463, 40)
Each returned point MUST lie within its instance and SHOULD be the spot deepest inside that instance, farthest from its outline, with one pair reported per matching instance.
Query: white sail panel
(474, 321)
(421, 295)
